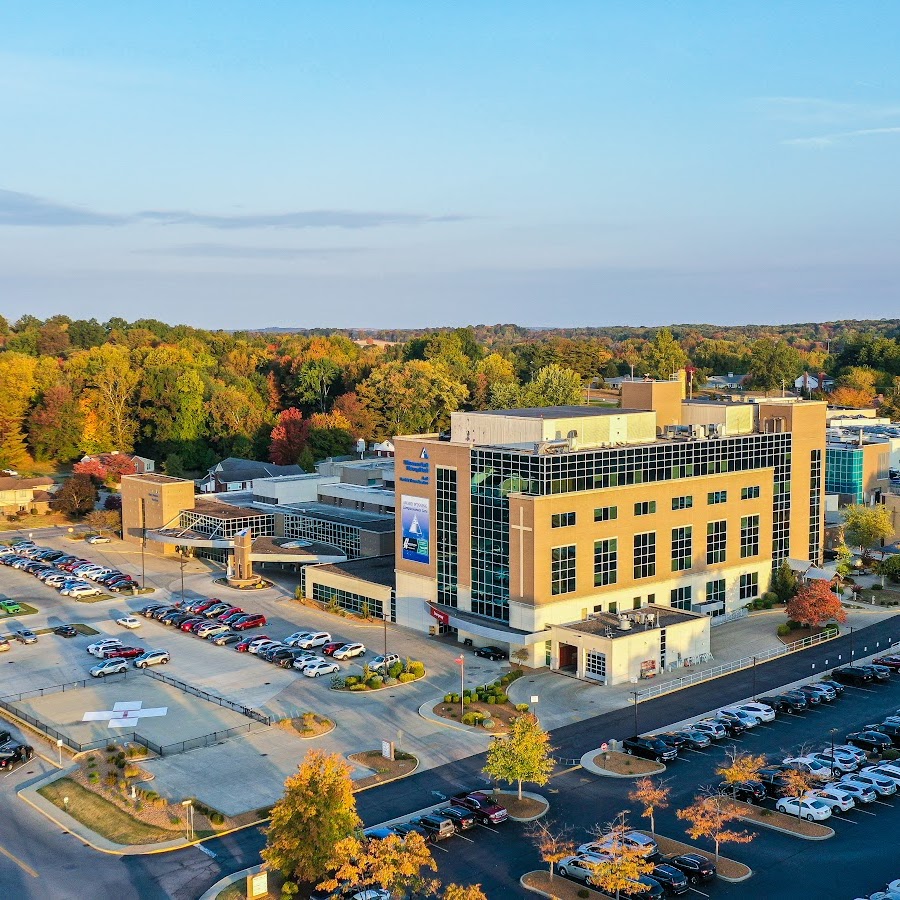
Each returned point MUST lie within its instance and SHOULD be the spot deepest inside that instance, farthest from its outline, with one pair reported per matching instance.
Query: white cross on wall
(521, 528)
(124, 715)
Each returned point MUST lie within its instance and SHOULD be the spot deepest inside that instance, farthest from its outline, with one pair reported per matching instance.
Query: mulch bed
(764, 817)
(521, 809)
(385, 769)
(730, 868)
(623, 764)
(501, 713)
(558, 887)
(307, 725)
(798, 634)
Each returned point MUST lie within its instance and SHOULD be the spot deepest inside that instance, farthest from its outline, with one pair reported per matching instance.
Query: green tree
(523, 754)
(773, 364)
(664, 356)
(890, 568)
(554, 386)
(17, 387)
(315, 814)
(784, 582)
(867, 527)
(315, 381)
(55, 425)
(77, 496)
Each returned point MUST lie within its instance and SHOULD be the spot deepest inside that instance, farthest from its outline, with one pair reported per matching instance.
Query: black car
(148, 611)
(697, 868)
(836, 686)
(5, 738)
(695, 740)
(888, 728)
(462, 818)
(494, 653)
(773, 780)
(747, 791)
(880, 673)
(66, 631)
(650, 747)
(650, 888)
(733, 728)
(673, 739)
(13, 753)
(785, 702)
(855, 675)
(673, 880)
(406, 828)
(870, 741)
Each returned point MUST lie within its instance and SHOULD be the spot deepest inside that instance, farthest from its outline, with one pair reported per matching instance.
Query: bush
(217, 818)
(395, 669)
(472, 718)
(416, 668)
(502, 698)
(448, 698)
(351, 680)
(359, 687)
(890, 753)
(132, 771)
(491, 699)
(784, 630)
(583, 892)
(375, 681)
(522, 707)
(487, 722)
(771, 598)
(876, 587)
(466, 701)
(831, 628)
(93, 777)
(406, 677)
(793, 625)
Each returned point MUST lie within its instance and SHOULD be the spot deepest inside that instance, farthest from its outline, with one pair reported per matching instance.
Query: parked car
(872, 741)
(836, 763)
(129, 622)
(695, 866)
(210, 629)
(634, 840)
(440, 828)
(579, 866)
(854, 675)
(812, 767)
(10, 607)
(887, 770)
(255, 621)
(747, 791)
(861, 793)
(256, 647)
(406, 828)
(383, 663)
(749, 720)
(292, 639)
(644, 888)
(650, 747)
(314, 640)
(152, 658)
(123, 652)
(15, 752)
(733, 727)
(884, 787)
(491, 652)
(673, 880)
(695, 740)
(303, 660)
(481, 804)
(839, 800)
(794, 702)
(329, 648)
(66, 631)
(348, 651)
(321, 667)
(96, 539)
(109, 667)
(810, 809)
(223, 640)
(673, 739)
(891, 661)
(772, 777)
(97, 648)
(25, 636)
(762, 711)
(463, 819)
(715, 731)
(890, 729)
(880, 673)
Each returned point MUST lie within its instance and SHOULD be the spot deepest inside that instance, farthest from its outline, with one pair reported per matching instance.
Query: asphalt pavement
(846, 866)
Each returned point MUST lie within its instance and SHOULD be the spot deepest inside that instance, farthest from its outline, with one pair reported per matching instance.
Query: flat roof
(153, 478)
(217, 510)
(377, 569)
(557, 412)
(359, 518)
(600, 623)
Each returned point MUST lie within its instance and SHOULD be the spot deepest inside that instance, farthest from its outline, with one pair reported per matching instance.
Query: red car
(228, 612)
(331, 646)
(188, 624)
(243, 645)
(892, 661)
(257, 621)
(123, 652)
(205, 605)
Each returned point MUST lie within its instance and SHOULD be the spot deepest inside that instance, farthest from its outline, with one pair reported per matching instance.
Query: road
(495, 859)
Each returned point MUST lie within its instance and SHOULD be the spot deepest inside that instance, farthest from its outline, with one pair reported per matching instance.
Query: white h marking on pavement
(124, 714)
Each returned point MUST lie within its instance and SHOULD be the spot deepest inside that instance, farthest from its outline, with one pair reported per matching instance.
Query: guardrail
(746, 662)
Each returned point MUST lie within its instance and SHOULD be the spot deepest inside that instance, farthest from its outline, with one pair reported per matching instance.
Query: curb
(531, 796)
(384, 687)
(789, 831)
(541, 893)
(709, 855)
(212, 892)
(425, 711)
(587, 762)
(380, 783)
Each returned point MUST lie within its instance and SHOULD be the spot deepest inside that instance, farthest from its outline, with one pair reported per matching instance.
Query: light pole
(384, 624)
(832, 731)
(59, 744)
(461, 662)
(143, 542)
(181, 561)
(634, 696)
(188, 819)
(851, 643)
(754, 677)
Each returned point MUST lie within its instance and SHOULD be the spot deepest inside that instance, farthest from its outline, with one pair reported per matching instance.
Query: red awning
(442, 617)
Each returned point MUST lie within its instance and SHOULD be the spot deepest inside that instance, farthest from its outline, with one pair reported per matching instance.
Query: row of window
(606, 554)
(648, 507)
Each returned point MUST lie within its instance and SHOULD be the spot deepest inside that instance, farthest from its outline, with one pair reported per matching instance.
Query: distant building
(234, 474)
(729, 382)
(24, 495)
(859, 460)
(807, 382)
(142, 465)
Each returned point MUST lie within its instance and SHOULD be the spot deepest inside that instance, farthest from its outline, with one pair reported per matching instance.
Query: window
(636, 603)
(606, 562)
(682, 502)
(749, 586)
(680, 598)
(750, 493)
(749, 536)
(447, 537)
(645, 555)
(356, 603)
(715, 593)
(595, 665)
(716, 534)
(682, 548)
(606, 513)
(645, 508)
(562, 520)
(562, 570)
(714, 497)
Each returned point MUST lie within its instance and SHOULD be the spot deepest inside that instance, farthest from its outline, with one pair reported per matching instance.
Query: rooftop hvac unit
(624, 623)
(698, 432)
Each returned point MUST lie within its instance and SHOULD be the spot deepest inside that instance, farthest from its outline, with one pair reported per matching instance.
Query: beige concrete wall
(736, 418)
(162, 498)
(664, 397)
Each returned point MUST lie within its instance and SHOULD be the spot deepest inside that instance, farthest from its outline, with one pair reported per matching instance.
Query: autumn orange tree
(709, 817)
(621, 865)
(741, 767)
(651, 796)
(316, 812)
(463, 892)
(796, 783)
(553, 845)
(814, 604)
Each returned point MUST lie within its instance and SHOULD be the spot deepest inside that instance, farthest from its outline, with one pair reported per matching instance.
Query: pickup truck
(650, 747)
(484, 808)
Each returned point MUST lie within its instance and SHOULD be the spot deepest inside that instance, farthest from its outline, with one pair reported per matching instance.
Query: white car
(842, 764)
(811, 766)
(733, 712)
(348, 651)
(321, 667)
(129, 622)
(96, 539)
(839, 800)
(809, 809)
(314, 640)
(884, 787)
(762, 711)
(711, 729)
(580, 866)
(109, 667)
(861, 793)
(859, 755)
(97, 648)
(636, 840)
(211, 629)
(81, 591)
(885, 770)
(307, 659)
(292, 639)
(255, 647)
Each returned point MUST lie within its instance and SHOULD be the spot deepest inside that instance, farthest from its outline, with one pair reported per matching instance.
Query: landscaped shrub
(522, 707)
(132, 771)
(831, 629)
(472, 718)
(217, 818)
(406, 677)
(395, 669)
(784, 630)
(375, 682)
(491, 699)
(502, 698)
(583, 892)
(466, 701)
(350, 680)
(890, 753)
(770, 597)
(416, 668)
(93, 777)
(793, 625)
(876, 587)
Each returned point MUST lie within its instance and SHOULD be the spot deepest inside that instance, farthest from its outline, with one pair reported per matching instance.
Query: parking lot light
(634, 695)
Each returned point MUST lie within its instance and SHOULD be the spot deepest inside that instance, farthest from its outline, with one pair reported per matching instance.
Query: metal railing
(247, 711)
(746, 662)
(62, 688)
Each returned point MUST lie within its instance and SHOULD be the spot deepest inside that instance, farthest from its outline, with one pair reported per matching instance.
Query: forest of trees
(188, 397)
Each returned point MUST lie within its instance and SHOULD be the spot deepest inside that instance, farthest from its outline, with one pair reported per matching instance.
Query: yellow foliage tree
(651, 796)
(709, 817)
(741, 767)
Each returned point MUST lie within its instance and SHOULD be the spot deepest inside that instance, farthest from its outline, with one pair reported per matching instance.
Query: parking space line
(464, 838)
(882, 803)
(698, 752)
(853, 687)
(866, 811)
(436, 846)
(698, 892)
(488, 828)
(842, 819)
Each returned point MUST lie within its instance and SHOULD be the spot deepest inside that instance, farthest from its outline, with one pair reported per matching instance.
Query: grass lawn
(26, 610)
(102, 816)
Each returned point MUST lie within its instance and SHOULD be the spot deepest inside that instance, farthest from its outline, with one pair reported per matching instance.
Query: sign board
(604, 747)
(257, 885)
(387, 749)
(416, 528)
(442, 617)
(534, 698)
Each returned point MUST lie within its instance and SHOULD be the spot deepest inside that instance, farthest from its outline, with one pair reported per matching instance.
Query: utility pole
(754, 677)
(181, 561)
(384, 623)
(634, 696)
(143, 542)
(461, 662)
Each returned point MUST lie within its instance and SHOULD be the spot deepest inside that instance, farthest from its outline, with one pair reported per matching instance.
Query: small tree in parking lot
(741, 767)
(553, 845)
(709, 816)
(622, 865)
(651, 796)
(523, 754)
(796, 784)
(463, 892)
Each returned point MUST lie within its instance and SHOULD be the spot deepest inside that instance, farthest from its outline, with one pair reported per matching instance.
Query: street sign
(604, 747)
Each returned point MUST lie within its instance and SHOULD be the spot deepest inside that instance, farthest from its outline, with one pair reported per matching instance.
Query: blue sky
(402, 164)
